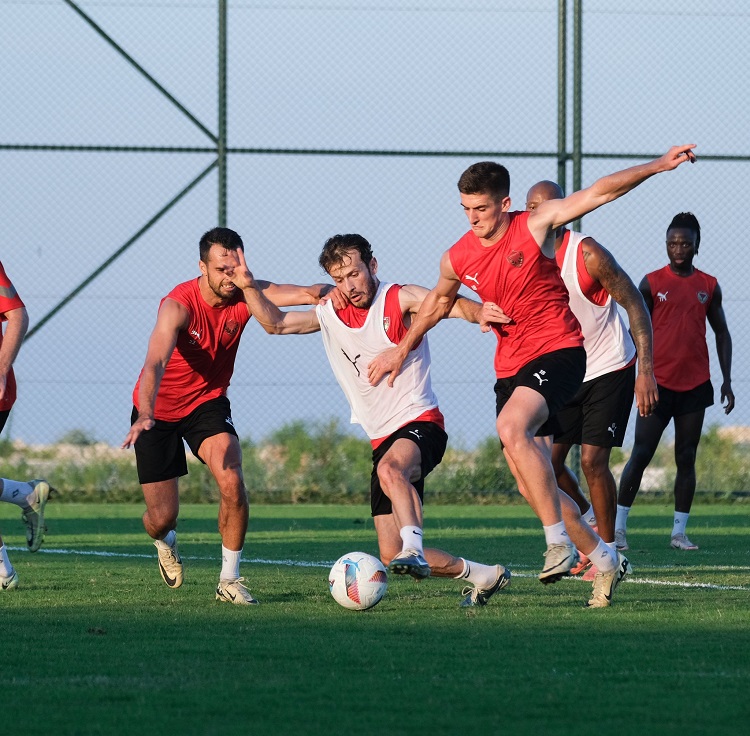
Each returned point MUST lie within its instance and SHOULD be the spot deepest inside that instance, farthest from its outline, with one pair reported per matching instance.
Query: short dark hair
(222, 236)
(337, 248)
(688, 221)
(485, 177)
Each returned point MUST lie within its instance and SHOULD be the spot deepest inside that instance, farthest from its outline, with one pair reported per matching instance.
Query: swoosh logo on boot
(169, 581)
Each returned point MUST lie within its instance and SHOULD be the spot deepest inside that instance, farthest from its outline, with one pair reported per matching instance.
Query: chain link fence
(339, 117)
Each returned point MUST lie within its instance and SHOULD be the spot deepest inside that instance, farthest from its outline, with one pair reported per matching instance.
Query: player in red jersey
(181, 395)
(405, 426)
(680, 298)
(597, 416)
(508, 258)
(31, 496)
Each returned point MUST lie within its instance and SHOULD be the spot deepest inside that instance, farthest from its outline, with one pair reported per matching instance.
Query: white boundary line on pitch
(303, 563)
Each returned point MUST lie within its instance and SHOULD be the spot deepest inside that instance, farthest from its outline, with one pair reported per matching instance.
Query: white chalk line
(327, 564)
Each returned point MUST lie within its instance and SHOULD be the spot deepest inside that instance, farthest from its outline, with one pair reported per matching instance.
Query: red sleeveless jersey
(679, 319)
(515, 274)
(9, 301)
(202, 363)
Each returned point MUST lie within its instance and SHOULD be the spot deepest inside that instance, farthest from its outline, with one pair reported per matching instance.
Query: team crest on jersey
(702, 297)
(386, 323)
(515, 258)
(231, 327)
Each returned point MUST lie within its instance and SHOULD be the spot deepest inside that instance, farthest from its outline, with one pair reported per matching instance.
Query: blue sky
(438, 76)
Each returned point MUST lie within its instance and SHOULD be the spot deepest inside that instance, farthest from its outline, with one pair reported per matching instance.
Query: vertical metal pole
(221, 144)
(577, 94)
(562, 100)
(575, 455)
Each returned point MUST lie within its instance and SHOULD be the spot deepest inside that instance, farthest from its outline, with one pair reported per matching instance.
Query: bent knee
(390, 475)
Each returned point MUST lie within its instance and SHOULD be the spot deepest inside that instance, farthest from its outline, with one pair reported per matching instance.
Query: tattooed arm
(602, 266)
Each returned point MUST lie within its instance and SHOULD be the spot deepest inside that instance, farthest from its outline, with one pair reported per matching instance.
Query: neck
(502, 228)
(209, 295)
(686, 269)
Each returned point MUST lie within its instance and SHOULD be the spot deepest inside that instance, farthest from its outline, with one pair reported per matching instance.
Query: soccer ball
(357, 581)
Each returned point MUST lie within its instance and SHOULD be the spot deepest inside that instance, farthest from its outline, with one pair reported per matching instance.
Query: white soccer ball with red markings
(358, 581)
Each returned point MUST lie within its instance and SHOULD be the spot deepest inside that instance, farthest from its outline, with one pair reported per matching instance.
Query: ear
(374, 266)
(203, 267)
(506, 204)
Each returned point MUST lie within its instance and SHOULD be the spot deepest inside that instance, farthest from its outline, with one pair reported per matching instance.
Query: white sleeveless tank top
(606, 339)
(379, 409)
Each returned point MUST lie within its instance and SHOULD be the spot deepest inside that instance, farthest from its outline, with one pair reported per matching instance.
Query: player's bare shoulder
(173, 314)
(541, 222)
(410, 297)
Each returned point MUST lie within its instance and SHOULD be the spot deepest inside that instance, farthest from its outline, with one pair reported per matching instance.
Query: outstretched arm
(435, 306)
(15, 331)
(291, 295)
(607, 271)
(268, 315)
(172, 318)
(411, 297)
(718, 321)
(555, 213)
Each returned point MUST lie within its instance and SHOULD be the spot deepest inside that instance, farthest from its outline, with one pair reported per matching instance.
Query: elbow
(273, 329)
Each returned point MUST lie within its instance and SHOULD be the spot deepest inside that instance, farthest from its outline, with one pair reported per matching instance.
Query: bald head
(541, 192)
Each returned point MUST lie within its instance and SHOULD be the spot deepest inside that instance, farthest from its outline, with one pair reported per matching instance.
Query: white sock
(589, 517)
(16, 491)
(483, 576)
(411, 536)
(6, 569)
(603, 557)
(230, 563)
(169, 541)
(621, 520)
(556, 534)
(680, 522)
(613, 547)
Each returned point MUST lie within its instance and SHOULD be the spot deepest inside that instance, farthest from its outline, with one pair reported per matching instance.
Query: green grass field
(95, 643)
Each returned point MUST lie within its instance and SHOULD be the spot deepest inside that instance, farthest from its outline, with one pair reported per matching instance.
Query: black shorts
(677, 403)
(556, 376)
(598, 414)
(431, 440)
(160, 453)
(3, 418)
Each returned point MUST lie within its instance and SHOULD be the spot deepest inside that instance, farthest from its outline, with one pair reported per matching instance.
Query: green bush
(324, 463)
(473, 476)
(722, 466)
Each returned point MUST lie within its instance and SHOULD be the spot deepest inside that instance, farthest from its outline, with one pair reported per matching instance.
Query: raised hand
(334, 295)
(241, 276)
(678, 155)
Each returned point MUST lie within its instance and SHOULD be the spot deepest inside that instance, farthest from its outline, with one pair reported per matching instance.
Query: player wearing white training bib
(404, 423)
(350, 349)
(597, 416)
(606, 340)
